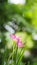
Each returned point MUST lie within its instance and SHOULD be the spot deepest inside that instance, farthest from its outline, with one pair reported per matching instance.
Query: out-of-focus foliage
(23, 20)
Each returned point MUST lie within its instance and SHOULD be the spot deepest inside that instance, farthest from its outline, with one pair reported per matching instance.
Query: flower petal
(20, 44)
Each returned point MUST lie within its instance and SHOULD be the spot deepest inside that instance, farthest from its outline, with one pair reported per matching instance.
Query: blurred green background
(19, 19)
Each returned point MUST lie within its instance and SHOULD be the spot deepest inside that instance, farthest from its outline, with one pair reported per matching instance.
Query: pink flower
(17, 39)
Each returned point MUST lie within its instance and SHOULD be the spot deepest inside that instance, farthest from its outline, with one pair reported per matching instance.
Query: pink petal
(14, 37)
(17, 39)
(20, 44)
